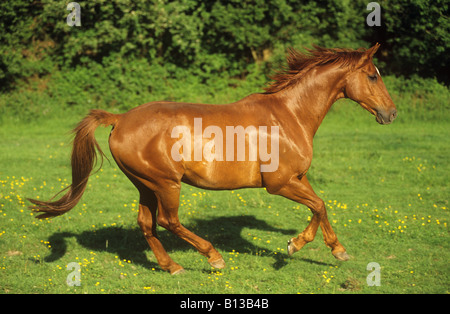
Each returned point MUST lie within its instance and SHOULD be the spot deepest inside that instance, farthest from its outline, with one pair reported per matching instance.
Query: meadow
(385, 188)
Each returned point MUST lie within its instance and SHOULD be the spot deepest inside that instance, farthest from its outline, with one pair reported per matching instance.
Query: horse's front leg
(300, 190)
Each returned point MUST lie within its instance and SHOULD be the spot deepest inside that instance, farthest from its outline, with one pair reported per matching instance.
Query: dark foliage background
(125, 50)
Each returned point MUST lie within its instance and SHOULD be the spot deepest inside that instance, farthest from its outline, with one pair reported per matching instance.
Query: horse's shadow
(225, 233)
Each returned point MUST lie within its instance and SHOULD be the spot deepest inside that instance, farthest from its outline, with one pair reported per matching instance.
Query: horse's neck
(312, 97)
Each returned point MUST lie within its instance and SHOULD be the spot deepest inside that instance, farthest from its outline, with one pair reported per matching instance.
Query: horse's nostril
(393, 115)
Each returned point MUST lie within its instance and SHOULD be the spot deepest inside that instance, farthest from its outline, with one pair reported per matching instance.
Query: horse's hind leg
(147, 221)
(168, 202)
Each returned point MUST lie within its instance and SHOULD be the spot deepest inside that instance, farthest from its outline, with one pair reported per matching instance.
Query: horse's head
(365, 86)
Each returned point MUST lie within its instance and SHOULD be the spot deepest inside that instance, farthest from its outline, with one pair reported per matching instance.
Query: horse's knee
(163, 222)
(171, 225)
(318, 208)
(145, 222)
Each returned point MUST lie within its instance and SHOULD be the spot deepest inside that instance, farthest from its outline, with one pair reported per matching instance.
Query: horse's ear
(371, 51)
(368, 55)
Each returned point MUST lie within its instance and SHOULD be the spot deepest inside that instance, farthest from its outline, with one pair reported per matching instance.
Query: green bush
(418, 98)
(128, 52)
(212, 37)
(416, 35)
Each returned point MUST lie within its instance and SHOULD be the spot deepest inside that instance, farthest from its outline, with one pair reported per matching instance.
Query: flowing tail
(83, 158)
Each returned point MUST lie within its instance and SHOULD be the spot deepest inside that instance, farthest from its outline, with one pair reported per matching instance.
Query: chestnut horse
(142, 144)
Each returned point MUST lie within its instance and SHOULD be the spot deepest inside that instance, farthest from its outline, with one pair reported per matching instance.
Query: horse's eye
(373, 78)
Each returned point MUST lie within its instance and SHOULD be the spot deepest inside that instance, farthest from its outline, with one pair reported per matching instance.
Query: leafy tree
(417, 37)
(220, 37)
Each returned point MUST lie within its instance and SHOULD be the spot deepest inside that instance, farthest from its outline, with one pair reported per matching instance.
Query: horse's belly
(223, 175)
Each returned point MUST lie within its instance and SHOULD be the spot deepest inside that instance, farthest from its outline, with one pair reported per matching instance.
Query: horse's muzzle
(384, 117)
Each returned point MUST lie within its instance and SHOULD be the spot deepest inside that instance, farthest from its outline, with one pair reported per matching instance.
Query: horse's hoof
(220, 263)
(178, 271)
(341, 256)
(290, 247)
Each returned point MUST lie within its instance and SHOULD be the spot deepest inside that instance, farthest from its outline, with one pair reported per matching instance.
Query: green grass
(385, 187)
